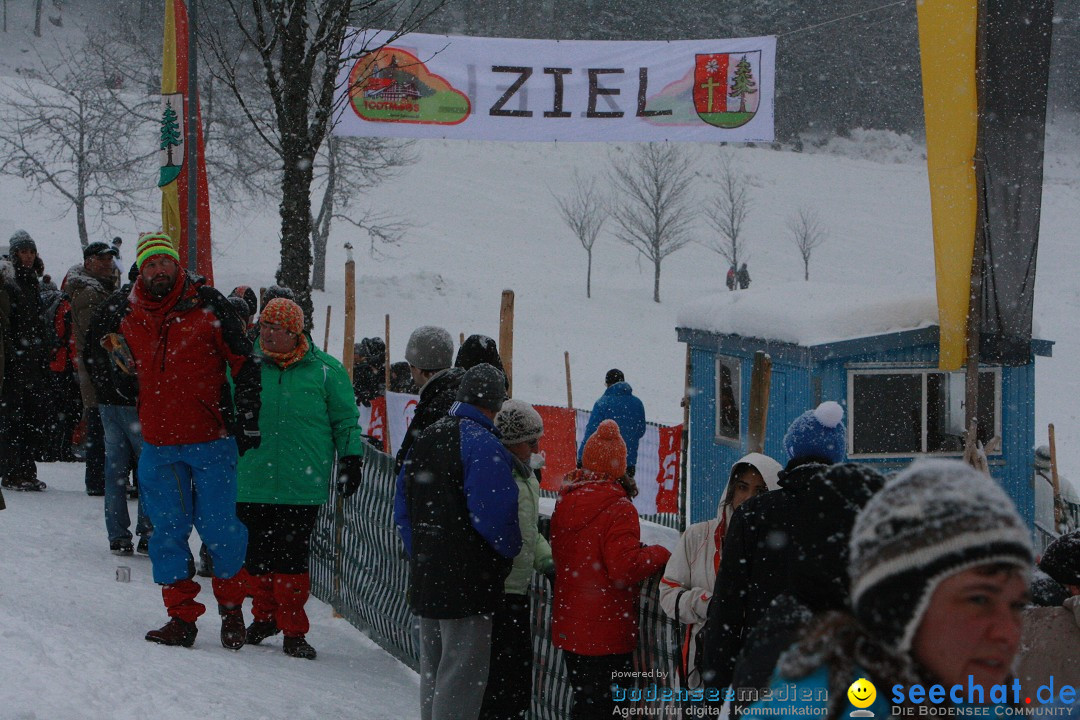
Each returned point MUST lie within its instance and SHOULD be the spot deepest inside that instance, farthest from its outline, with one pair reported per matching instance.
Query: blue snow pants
(192, 485)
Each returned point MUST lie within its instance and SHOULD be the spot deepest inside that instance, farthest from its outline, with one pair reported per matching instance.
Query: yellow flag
(947, 41)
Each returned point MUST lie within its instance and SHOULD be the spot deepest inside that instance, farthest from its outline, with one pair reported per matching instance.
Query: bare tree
(726, 212)
(296, 51)
(807, 232)
(584, 210)
(346, 168)
(71, 131)
(654, 206)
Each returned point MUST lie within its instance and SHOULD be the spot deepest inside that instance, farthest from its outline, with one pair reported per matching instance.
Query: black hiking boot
(233, 633)
(259, 630)
(143, 548)
(298, 647)
(175, 632)
(23, 484)
(120, 547)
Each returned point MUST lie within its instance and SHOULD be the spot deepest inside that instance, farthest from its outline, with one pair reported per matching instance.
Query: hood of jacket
(769, 469)
(585, 495)
(78, 278)
(620, 388)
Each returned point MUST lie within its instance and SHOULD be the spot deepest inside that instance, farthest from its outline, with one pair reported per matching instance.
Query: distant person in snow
(600, 563)
(401, 379)
(117, 393)
(62, 403)
(785, 555)
(308, 416)
(732, 277)
(690, 575)
(25, 366)
(1050, 645)
(744, 277)
(509, 686)
(369, 370)
(88, 285)
(456, 510)
(430, 352)
(184, 340)
(618, 403)
(939, 565)
(249, 309)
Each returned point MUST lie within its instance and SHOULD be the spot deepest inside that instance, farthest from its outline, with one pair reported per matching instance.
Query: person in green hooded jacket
(308, 414)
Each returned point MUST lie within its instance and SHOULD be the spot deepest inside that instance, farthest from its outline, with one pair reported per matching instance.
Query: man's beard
(161, 285)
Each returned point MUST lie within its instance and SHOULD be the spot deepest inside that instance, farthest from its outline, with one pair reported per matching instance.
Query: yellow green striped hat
(157, 243)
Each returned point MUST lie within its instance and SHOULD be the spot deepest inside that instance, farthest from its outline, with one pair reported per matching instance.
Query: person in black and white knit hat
(940, 563)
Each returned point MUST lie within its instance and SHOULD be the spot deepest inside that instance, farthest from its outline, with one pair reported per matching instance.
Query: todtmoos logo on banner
(393, 85)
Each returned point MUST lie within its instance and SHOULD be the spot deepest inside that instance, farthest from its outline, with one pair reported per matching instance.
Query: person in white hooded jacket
(687, 584)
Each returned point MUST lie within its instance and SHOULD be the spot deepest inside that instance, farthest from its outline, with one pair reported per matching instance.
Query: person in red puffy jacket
(599, 565)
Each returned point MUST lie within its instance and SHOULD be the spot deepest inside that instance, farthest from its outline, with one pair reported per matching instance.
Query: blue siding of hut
(798, 386)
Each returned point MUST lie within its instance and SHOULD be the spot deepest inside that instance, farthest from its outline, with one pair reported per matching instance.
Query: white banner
(472, 88)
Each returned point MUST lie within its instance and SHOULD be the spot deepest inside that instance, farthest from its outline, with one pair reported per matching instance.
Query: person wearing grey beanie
(430, 353)
(940, 563)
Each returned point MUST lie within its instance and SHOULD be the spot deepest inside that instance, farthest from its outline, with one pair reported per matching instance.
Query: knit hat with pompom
(605, 451)
(818, 434)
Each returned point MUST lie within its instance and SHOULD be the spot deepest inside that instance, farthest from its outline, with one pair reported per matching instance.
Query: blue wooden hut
(877, 356)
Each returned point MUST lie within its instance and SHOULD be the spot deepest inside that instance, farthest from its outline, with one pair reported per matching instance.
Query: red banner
(667, 477)
(377, 424)
(558, 444)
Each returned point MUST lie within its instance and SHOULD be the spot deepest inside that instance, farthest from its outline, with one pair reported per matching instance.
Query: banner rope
(845, 17)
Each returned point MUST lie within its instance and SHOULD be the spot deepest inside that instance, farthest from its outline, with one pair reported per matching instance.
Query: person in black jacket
(456, 510)
(785, 555)
(117, 393)
(24, 369)
(430, 352)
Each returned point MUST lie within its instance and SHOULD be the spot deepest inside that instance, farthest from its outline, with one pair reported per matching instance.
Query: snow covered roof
(809, 314)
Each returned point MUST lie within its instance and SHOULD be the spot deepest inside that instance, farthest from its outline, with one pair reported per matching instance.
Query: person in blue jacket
(618, 403)
(456, 510)
(940, 563)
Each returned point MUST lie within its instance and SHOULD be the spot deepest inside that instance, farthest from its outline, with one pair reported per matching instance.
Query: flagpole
(191, 141)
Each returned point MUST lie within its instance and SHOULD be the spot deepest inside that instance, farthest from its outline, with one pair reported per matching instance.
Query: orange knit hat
(605, 451)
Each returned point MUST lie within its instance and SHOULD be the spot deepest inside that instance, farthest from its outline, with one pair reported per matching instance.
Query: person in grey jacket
(509, 685)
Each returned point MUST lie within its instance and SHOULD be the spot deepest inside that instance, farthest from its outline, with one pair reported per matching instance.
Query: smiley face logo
(862, 693)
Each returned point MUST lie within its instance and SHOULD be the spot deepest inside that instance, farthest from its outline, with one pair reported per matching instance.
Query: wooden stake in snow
(386, 370)
(569, 387)
(1059, 505)
(350, 310)
(760, 384)
(326, 335)
(685, 439)
(506, 338)
(461, 339)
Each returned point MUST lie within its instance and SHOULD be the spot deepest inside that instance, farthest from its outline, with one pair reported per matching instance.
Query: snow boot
(230, 594)
(297, 646)
(233, 634)
(23, 484)
(206, 563)
(121, 547)
(259, 630)
(176, 632)
(143, 548)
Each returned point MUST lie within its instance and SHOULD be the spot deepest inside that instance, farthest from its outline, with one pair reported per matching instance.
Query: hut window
(728, 391)
(907, 412)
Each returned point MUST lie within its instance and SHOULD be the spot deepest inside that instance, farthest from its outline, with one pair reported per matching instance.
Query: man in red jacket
(184, 340)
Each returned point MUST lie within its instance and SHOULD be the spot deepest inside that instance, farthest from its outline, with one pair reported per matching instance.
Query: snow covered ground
(72, 648)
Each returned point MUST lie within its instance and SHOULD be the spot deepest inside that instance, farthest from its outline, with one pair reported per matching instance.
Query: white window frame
(912, 369)
(735, 364)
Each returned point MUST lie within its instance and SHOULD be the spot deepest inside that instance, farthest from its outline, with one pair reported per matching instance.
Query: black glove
(248, 436)
(350, 472)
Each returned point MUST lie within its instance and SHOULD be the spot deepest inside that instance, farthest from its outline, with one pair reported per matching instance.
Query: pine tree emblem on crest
(171, 145)
(725, 87)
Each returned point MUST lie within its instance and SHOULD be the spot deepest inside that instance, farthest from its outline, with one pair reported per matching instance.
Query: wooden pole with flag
(185, 197)
(350, 311)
